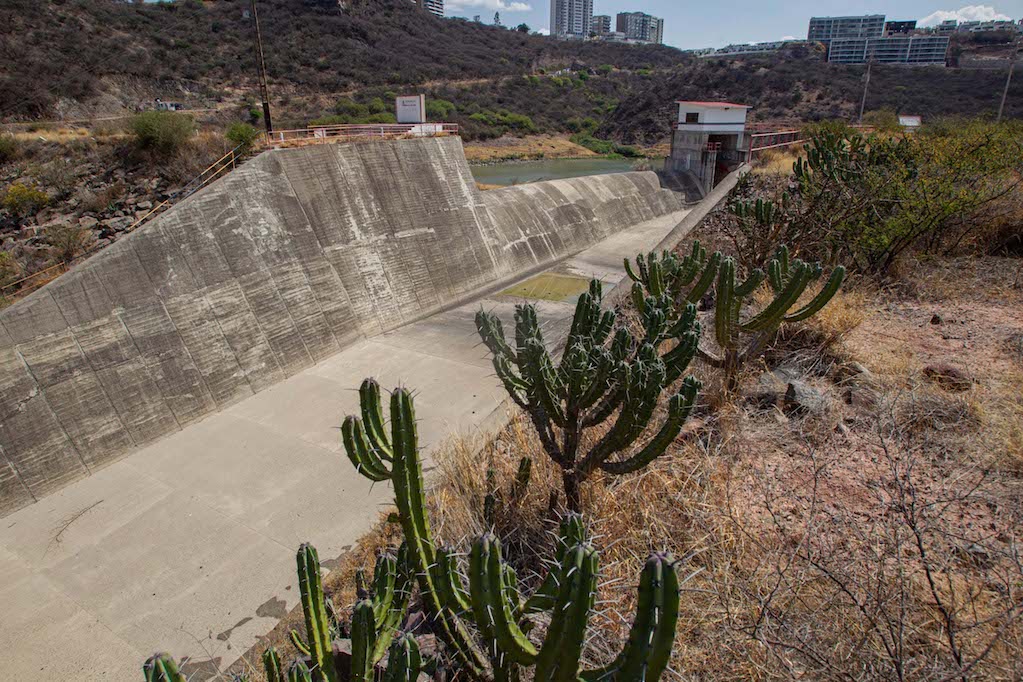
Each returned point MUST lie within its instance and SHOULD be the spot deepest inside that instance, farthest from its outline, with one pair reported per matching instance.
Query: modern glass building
(826, 29)
(891, 50)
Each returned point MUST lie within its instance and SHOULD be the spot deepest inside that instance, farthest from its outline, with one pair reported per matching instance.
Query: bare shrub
(67, 242)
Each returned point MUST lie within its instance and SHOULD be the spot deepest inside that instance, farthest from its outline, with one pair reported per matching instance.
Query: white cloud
(967, 13)
(544, 31)
(496, 5)
(788, 37)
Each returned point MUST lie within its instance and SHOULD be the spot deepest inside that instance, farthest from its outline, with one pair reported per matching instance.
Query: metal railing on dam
(274, 267)
(360, 131)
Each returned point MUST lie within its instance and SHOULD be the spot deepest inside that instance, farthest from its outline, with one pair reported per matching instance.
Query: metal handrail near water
(360, 131)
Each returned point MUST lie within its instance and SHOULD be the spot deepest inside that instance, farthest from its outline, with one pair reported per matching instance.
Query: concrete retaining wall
(279, 265)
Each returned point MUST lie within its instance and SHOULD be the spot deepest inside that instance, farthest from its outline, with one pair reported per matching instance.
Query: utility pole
(866, 84)
(264, 91)
(1005, 92)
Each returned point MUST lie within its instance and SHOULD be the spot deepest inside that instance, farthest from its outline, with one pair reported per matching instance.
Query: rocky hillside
(344, 62)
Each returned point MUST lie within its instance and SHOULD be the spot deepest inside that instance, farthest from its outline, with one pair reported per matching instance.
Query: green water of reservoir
(518, 172)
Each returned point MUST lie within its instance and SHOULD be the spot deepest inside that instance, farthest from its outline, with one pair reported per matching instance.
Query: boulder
(803, 398)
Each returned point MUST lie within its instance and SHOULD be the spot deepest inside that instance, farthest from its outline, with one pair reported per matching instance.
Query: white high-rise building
(432, 6)
(571, 18)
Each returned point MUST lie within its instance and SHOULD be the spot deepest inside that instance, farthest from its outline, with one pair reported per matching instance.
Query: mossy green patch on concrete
(548, 287)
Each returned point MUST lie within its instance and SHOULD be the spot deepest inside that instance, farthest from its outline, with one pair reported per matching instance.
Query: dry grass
(776, 162)
(534, 147)
(877, 539)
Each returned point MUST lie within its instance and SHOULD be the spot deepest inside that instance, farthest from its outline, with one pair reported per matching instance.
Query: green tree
(241, 135)
(164, 132)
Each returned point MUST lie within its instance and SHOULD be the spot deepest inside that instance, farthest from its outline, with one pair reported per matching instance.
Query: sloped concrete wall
(279, 265)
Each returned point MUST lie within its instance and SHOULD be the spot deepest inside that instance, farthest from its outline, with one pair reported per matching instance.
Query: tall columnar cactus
(493, 600)
(318, 647)
(272, 665)
(162, 668)
(789, 279)
(600, 374)
(397, 459)
(298, 671)
(684, 280)
(378, 614)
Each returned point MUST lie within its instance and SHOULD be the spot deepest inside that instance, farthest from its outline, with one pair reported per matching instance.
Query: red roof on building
(715, 105)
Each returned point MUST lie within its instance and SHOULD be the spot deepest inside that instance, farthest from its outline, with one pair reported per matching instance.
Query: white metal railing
(362, 131)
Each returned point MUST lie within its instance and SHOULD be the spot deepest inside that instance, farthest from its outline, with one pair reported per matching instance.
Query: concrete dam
(293, 257)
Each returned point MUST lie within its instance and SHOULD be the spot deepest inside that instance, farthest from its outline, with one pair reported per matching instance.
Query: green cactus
(377, 614)
(493, 601)
(600, 374)
(404, 662)
(162, 668)
(789, 280)
(298, 671)
(683, 280)
(365, 450)
(272, 665)
(319, 646)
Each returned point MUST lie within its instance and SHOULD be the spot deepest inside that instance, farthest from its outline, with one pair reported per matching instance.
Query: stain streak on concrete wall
(272, 269)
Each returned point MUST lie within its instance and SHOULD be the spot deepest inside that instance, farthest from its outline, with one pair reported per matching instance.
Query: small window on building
(692, 117)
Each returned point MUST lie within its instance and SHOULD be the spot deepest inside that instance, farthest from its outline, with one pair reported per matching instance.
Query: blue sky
(694, 24)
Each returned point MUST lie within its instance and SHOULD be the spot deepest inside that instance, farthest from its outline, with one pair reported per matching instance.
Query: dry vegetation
(873, 538)
(534, 147)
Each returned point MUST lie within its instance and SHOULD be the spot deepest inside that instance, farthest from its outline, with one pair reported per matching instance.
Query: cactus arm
(451, 588)
(772, 314)
(515, 386)
(296, 640)
(404, 662)
(272, 665)
(822, 298)
(679, 408)
(706, 279)
(571, 532)
(492, 334)
(314, 608)
(363, 456)
(677, 360)
(363, 641)
(411, 503)
(162, 668)
(667, 620)
(558, 658)
(749, 286)
(385, 576)
(490, 603)
(628, 270)
(299, 672)
(373, 418)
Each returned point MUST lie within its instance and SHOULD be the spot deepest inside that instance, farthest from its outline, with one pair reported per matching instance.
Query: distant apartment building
(601, 25)
(905, 49)
(571, 18)
(826, 29)
(750, 48)
(640, 26)
(986, 26)
(892, 28)
(432, 6)
(946, 27)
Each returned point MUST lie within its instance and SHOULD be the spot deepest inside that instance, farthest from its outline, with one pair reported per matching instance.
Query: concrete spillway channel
(169, 410)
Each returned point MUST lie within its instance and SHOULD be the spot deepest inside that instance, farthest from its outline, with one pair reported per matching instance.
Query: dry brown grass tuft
(775, 161)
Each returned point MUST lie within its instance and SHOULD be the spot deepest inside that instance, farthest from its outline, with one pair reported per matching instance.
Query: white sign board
(411, 109)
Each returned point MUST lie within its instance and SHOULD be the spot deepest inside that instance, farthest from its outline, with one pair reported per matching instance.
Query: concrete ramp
(295, 256)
